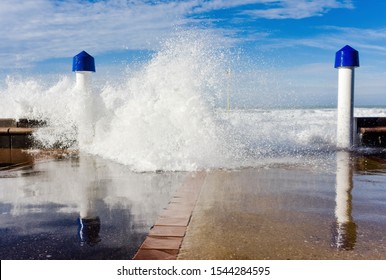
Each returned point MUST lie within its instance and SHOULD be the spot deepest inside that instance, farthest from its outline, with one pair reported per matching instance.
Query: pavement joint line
(167, 234)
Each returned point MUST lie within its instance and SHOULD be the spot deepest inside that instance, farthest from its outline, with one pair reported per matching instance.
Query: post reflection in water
(79, 207)
(344, 230)
(89, 223)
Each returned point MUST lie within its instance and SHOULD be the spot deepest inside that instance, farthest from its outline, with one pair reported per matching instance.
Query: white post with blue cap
(346, 59)
(83, 65)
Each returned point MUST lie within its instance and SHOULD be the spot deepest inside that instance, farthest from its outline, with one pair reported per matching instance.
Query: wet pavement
(70, 206)
(291, 212)
(79, 207)
(165, 237)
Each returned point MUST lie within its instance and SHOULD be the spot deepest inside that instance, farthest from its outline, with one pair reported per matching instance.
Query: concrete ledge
(16, 131)
(15, 137)
(17, 134)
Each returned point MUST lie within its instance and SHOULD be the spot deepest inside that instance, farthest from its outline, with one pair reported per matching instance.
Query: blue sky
(296, 40)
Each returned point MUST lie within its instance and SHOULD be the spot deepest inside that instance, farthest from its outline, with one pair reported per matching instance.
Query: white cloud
(371, 43)
(204, 6)
(37, 30)
(40, 29)
(297, 9)
(369, 40)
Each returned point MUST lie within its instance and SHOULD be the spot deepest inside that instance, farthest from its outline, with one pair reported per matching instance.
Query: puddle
(79, 208)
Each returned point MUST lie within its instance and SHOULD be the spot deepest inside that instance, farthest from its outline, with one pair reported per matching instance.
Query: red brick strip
(165, 237)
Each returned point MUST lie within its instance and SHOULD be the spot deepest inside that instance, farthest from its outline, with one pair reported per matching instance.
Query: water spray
(228, 72)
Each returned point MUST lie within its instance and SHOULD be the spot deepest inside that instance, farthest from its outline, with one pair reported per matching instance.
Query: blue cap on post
(347, 57)
(83, 62)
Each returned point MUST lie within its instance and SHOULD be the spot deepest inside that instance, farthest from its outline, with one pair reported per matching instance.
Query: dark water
(79, 208)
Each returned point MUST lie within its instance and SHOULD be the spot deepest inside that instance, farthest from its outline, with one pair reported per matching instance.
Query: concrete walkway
(281, 213)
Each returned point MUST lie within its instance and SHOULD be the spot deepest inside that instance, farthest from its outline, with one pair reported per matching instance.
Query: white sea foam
(165, 116)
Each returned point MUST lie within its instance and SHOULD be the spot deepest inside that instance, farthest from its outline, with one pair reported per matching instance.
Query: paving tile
(169, 231)
(165, 237)
(155, 242)
(151, 254)
(176, 213)
(180, 206)
(170, 221)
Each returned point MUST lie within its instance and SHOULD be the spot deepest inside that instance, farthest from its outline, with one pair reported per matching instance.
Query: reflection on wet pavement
(80, 207)
(83, 207)
(13, 158)
(344, 232)
(292, 212)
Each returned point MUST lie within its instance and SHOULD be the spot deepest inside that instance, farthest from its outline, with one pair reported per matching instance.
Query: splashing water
(162, 117)
(165, 116)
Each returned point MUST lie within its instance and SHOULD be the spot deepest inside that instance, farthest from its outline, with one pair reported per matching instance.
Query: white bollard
(346, 60)
(83, 81)
(83, 65)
